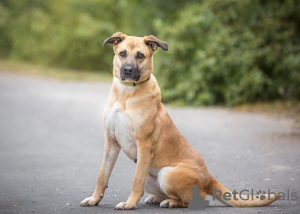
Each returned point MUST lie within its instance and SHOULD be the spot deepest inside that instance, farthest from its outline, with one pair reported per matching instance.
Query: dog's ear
(116, 38)
(154, 42)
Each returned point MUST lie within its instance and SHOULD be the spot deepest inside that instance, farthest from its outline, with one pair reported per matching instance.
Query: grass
(56, 73)
(287, 109)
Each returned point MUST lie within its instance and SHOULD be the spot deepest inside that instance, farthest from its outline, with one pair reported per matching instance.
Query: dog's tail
(217, 190)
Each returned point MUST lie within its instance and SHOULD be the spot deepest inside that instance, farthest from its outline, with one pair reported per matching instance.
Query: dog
(137, 122)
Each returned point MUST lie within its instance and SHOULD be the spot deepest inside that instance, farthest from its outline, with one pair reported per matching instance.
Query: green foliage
(220, 51)
(231, 52)
(63, 33)
(69, 33)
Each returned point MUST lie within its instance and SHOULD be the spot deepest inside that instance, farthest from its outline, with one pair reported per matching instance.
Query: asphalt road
(51, 141)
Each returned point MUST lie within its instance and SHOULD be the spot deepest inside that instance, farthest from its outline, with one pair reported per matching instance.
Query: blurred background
(238, 55)
(225, 52)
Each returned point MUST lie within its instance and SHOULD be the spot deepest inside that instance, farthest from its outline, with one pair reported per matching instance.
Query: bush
(70, 33)
(231, 52)
(65, 33)
(220, 51)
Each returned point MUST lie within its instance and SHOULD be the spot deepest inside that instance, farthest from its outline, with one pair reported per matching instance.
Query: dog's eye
(122, 54)
(140, 56)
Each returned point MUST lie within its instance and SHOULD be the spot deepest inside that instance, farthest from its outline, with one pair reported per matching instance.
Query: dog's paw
(90, 201)
(153, 199)
(169, 203)
(125, 206)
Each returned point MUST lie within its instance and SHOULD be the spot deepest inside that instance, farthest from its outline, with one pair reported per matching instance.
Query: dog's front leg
(110, 155)
(144, 158)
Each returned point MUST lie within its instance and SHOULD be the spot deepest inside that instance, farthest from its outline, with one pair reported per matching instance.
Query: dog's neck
(134, 83)
(146, 90)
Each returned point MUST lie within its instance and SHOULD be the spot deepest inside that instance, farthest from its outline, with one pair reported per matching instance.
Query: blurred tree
(69, 33)
(231, 52)
(220, 52)
(64, 33)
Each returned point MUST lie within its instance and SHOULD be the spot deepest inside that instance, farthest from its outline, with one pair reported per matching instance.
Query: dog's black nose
(129, 72)
(128, 69)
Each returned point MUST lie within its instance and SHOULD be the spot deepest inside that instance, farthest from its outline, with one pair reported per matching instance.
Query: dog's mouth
(132, 78)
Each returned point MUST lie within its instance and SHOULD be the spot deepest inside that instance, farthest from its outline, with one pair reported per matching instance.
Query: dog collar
(133, 83)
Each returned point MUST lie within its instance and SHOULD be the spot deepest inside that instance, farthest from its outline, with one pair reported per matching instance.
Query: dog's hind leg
(176, 182)
(152, 187)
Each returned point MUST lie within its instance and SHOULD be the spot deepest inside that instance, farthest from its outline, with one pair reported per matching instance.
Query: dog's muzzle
(130, 72)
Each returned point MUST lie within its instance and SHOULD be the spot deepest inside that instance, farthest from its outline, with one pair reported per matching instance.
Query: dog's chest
(119, 126)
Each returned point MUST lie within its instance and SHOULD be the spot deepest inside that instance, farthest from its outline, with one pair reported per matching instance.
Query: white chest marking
(119, 126)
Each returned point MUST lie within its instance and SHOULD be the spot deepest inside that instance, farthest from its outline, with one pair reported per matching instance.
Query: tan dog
(137, 122)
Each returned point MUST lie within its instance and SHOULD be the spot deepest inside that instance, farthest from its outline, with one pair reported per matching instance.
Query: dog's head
(133, 56)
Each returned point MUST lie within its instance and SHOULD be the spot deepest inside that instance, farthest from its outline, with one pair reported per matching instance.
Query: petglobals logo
(245, 196)
(193, 200)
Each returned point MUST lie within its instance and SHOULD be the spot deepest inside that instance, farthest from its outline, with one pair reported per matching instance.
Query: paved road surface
(51, 140)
